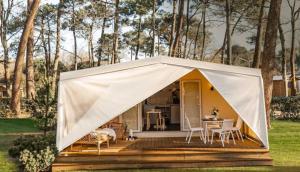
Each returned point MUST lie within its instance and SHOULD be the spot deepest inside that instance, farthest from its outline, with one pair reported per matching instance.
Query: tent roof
(157, 60)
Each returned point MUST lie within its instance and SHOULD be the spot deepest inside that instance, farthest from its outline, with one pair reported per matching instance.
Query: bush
(26, 107)
(37, 161)
(32, 143)
(286, 108)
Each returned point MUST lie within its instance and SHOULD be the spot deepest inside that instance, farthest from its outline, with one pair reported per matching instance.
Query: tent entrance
(161, 111)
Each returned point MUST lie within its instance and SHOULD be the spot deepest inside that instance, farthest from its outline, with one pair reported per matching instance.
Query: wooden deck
(162, 153)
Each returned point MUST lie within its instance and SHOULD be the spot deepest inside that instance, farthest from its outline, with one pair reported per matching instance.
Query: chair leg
(187, 136)
(190, 137)
(99, 148)
(241, 135)
(232, 137)
(222, 138)
(237, 134)
(202, 136)
(212, 137)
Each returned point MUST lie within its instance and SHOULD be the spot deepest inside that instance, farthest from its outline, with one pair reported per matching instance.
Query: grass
(8, 130)
(8, 126)
(284, 140)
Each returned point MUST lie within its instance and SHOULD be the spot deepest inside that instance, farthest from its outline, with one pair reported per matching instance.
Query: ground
(284, 140)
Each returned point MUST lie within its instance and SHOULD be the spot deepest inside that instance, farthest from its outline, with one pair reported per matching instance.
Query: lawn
(284, 140)
(8, 130)
(8, 126)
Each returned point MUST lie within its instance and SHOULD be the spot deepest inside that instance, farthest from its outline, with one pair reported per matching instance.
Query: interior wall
(211, 98)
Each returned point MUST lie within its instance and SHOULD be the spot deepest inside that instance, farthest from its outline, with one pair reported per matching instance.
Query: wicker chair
(119, 128)
(94, 138)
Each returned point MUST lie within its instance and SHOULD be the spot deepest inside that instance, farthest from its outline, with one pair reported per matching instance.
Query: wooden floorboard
(162, 153)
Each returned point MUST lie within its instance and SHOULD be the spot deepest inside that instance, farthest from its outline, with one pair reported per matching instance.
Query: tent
(91, 97)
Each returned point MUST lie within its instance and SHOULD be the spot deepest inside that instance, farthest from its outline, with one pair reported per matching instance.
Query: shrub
(286, 108)
(32, 143)
(37, 161)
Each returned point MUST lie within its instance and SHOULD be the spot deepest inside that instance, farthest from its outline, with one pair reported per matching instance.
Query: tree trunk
(57, 47)
(283, 59)
(44, 45)
(259, 36)
(228, 26)
(4, 41)
(269, 54)
(16, 93)
(178, 29)
(173, 27)
(153, 28)
(187, 28)
(116, 33)
(30, 87)
(102, 35)
(292, 59)
(196, 39)
(204, 32)
(92, 45)
(74, 35)
(158, 41)
(138, 38)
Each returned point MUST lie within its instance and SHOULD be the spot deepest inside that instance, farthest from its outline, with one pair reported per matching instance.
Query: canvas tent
(91, 97)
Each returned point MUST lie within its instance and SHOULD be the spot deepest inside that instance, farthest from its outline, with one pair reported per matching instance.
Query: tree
(72, 16)
(174, 16)
(153, 27)
(116, 33)
(259, 35)
(294, 17)
(101, 41)
(269, 54)
(283, 58)
(57, 46)
(228, 31)
(15, 100)
(175, 44)
(30, 87)
(10, 25)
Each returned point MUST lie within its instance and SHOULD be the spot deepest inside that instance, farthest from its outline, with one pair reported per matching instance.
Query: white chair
(237, 129)
(223, 132)
(192, 130)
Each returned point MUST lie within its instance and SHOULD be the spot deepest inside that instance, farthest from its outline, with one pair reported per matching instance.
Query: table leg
(148, 122)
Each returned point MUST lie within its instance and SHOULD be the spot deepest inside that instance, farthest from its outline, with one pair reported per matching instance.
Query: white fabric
(89, 102)
(89, 98)
(245, 95)
(107, 131)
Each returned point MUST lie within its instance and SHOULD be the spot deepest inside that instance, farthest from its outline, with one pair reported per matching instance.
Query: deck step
(147, 160)
(111, 166)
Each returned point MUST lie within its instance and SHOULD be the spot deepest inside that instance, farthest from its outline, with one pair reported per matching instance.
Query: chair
(237, 129)
(224, 132)
(191, 130)
(94, 138)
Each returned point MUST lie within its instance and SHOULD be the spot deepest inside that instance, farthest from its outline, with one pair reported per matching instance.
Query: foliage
(32, 143)
(37, 161)
(5, 107)
(45, 108)
(286, 108)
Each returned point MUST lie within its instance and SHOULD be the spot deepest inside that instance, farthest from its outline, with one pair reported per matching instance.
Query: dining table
(210, 121)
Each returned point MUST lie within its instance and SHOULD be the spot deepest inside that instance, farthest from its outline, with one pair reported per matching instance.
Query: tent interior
(192, 95)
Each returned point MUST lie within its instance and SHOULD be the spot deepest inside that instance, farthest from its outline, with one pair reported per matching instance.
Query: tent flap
(89, 102)
(244, 94)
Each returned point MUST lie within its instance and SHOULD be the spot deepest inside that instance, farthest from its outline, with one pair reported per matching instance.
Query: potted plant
(215, 113)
